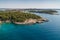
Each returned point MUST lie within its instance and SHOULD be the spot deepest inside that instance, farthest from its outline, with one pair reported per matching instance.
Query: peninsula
(19, 17)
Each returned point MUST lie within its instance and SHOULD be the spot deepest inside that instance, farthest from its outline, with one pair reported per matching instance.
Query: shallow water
(45, 31)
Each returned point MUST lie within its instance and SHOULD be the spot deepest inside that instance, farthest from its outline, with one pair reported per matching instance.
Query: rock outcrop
(32, 21)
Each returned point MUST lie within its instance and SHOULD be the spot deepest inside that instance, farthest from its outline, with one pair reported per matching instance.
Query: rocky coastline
(32, 21)
(27, 21)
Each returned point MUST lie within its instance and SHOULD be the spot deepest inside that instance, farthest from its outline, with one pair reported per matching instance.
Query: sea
(40, 31)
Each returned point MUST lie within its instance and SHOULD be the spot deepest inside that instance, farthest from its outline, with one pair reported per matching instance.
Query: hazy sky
(29, 3)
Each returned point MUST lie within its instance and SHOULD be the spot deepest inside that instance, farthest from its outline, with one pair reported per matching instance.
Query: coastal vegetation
(19, 17)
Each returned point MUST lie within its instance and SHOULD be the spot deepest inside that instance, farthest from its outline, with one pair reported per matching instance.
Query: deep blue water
(44, 31)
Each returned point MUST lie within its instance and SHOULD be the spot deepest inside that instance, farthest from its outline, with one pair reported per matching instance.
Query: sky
(54, 4)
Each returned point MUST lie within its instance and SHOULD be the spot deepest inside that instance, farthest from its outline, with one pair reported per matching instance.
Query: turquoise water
(44, 31)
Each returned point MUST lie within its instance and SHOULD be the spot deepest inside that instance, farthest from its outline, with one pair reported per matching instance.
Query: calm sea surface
(44, 31)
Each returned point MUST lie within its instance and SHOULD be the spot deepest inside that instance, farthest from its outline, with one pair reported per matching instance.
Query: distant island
(19, 17)
(44, 11)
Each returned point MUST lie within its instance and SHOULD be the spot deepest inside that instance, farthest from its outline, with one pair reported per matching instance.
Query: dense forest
(16, 16)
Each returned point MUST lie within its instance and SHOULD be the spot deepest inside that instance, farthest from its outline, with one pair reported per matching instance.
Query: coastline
(32, 21)
(27, 21)
(0, 22)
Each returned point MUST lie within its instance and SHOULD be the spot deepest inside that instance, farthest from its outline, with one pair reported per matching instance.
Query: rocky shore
(0, 21)
(32, 21)
(28, 21)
